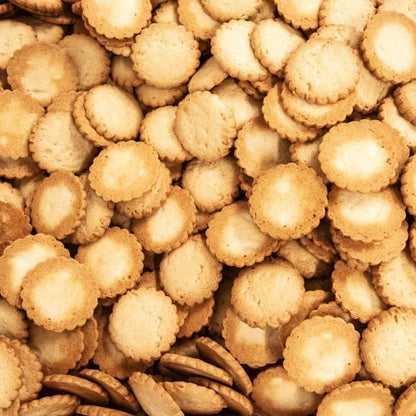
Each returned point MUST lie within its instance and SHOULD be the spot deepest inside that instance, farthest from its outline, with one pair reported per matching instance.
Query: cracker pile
(207, 207)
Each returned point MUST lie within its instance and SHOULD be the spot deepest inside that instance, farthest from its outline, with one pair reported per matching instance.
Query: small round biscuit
(233, 52)
(42, 70)
(64, 404)
(235, 239)
(212, 184)
(395, 61)
(299, 15)
(203, 114)
(143, 324)
(117, 19)
(357, 397)
(190, 259)
(275, 392)
(117, 261)
(288, 201)
(168, 226)
(58, 204)
(254, 347)
(180, 51)
(70, 300)
(268, 294)
(322, 353)
(322, 71)
(386, 346)
(113, 112)
(228, 10)
(124, 170)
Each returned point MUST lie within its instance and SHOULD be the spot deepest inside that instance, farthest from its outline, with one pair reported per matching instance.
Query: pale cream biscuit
(83, 124)
(373, 252)
(166, 12)
(11, 372)
(389, 63)
(208, 76)
(379, 158)
(180, 51)
(274, 55)
(116, 259)
(353, 213)
(231, 48)
(13, 35)
(14, 224)
(32, 374)
(296, 215)
(212, 185)
(386, 359)
(259, 148)
(153, 315)
(192, 259)
(98, 214)
(389, 114)
(235, 239)
(113, 113)
(117, 22)
(42, 70)
(14, 323)
(21, 257)
(243, 106)
(154, 97)
(110, 174)
(276, 393)
(278, 119)
(344, 33)
(254, 347)
(322, 353)
(311, 300)
(303, 16)
(195, 18)
(203, 114)
(92, 71)
(275, 285)
(358, 396)
(347, 283)
(316, 115)
(56, 144)
(122, 72)
(18, 168)
(18, 114)
(194, 318)
(45, 32)
(237, 10)
(58, 352)
(157, 130)
(357, 13)
(109, 358)
(169, 225)
(44, 281)
(394, 280)
(58, 204)
(407, 7)
(151, 200)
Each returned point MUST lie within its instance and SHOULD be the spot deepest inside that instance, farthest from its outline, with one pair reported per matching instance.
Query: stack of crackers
(207, 207)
